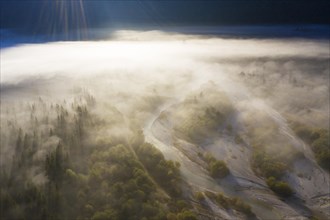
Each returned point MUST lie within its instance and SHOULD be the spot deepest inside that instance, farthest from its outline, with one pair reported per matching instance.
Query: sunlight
(164, 110)
(66, 17)
(132, 50)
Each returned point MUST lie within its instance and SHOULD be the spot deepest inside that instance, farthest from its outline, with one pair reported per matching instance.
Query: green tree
(187, 215)
(279, 187)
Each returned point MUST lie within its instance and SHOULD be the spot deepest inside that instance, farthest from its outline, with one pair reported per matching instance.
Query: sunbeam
(65, 18)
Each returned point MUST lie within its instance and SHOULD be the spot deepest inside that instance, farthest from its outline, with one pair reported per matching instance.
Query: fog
(268, 66)
(175, 88)
(148, 51)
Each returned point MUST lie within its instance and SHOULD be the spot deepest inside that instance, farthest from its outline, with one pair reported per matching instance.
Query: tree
(187, 215)
(55, 165)
(218, 169)
(279, 187)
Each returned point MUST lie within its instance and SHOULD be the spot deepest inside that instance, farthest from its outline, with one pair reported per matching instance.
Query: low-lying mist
(268, 96)
(291, 74)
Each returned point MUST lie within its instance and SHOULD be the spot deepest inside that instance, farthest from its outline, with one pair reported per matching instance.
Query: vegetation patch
(281, 188)
(202, 114)
(230, 203)
(217, 168)
(273, 169)
(318, 139)
(165, 172)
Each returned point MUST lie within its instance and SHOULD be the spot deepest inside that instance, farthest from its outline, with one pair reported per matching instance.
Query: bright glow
(135, 53)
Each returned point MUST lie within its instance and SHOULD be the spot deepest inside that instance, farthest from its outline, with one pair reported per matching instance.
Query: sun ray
(65, 18)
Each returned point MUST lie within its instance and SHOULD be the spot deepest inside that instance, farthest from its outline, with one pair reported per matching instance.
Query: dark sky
(46, 16)
(17, 13)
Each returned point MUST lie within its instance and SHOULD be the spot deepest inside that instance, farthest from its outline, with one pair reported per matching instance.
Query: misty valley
(155, 125)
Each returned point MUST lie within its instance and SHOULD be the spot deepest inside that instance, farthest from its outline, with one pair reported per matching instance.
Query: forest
(84, 178)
